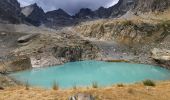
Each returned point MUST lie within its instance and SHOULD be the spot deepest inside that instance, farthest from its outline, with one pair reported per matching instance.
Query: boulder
(81, 96)
(19, 63)
(161, 56)
(26, 38)
(3, 33)
(1, 88)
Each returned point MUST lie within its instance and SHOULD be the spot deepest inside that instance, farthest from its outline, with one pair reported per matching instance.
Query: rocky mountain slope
(58, 18)
(35, 15)
(10, 12)
(151, 5)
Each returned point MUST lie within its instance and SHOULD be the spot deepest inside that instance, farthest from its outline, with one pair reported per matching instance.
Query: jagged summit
(60, 13)
(34, 14)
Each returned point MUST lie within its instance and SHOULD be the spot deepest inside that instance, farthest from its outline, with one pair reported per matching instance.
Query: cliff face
(10, 11)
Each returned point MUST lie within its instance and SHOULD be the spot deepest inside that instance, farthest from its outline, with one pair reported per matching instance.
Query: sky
(70, 6)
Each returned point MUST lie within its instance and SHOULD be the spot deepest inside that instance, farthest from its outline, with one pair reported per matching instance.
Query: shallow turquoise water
(84, 73)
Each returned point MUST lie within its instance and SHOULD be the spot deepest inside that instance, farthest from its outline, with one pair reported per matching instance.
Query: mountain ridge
(36, 16)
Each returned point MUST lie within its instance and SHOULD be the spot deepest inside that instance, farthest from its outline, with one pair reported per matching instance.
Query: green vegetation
(120, 85)
(74, 87)
(27, 85)
(94, 85)
(127, 23)
(55, 86)
(130, 91)
(149, 83)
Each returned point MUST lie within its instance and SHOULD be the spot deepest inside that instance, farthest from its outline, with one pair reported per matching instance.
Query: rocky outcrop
(26, 38)
(34, 14)
(124, 31)
(82, 51)
(15, 63)
(161, 57)
(151, 5)
(10, 12)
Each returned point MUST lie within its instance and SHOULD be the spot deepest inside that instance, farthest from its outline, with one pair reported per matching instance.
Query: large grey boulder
(81, 96)
(161, 56)
(26, 38)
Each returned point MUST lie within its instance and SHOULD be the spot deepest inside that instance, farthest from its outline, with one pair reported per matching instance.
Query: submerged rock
(161, 56)
(81, 96)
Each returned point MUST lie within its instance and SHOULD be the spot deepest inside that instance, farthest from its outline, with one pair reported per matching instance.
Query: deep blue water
(84, 73)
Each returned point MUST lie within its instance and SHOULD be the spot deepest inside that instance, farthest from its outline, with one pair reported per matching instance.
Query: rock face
(161, 57)
(10, 12)
(34, 14)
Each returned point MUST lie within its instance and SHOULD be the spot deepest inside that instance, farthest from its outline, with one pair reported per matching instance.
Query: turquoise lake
(84, 73)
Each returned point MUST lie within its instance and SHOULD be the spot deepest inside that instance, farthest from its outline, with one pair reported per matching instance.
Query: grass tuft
(74, 87)
(27, 85)
(130, 91)
(94, 85)
(55, 86)
(149, 83)
(120, 85)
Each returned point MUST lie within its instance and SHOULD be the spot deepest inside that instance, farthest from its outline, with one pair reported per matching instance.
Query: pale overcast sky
(71, 6)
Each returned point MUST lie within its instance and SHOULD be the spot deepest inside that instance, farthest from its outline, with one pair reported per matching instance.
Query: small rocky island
(133, 31)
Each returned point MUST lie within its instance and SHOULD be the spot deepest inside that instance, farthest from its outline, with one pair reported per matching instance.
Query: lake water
(84, 73)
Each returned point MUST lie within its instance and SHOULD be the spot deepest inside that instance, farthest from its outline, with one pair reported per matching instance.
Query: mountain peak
(59, 13)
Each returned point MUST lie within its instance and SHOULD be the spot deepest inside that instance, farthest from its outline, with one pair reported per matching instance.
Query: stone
(19, 63)
(3, 33)
(1, 88)
(81, 96)
(161, 56)
(26, 38)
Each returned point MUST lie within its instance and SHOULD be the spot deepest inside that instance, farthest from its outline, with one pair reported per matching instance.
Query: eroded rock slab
(26, 38)
(161, 56)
